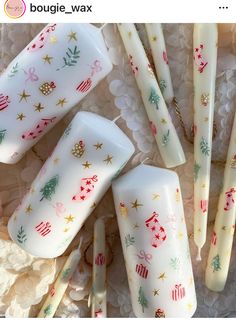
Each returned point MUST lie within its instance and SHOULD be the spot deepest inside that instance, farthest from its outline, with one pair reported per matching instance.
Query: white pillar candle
(223, 233)
(52, 74)
(160, 121)
(58, 289)
(89, 155)
(98, 295)
(155, 243)
(159, 54)
(205, 59)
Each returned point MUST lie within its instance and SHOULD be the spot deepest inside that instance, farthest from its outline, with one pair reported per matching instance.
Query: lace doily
(25, 279)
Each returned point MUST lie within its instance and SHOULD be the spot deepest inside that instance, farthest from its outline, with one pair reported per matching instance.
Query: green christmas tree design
(48, 310)
(162, 85)
(196, 169)
(14, 70)
(71, 57)
(21, 235)
(154, 98)
(129, 240)
(216, 263)
(205, 149)
(166, 138)
(2, 135)
(142, 299)
(49, 189)
(66, 273)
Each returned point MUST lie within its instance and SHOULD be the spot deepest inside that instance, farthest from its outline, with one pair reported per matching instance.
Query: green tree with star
(49, 189)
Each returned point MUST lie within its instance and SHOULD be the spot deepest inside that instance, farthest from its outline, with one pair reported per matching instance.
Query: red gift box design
(4, 101)
(142, 270)
(84, 85)
(100, 259)
(178, 292)
(44, 228)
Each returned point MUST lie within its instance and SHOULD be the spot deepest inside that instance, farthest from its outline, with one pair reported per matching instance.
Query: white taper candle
(205, 59)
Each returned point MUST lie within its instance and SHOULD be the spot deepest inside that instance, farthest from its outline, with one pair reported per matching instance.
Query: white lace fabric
(25, 279)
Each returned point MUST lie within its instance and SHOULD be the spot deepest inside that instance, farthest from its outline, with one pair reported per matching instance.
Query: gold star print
(203, 185)
(29, 209)
(136, 226)
(189, 306)
(69, 218)
(108, 160)
(93, 206)
(155, 196)
(129, 34)
(72, 36)
(66, 229)
(154, 38)
(136, 205)
(206, 119)
(47, 59)
(32, 190)
(86, 165)
(180, 235)
(53, 39)
(156, 292)
(61, 102)
(162, 276)
(39, 107)
(163, 121)
(191, 281)
(199, 230)
(98, 146)
(223, 228)
(20, 116)
(24, 96)
(14, 217)
(56, 161)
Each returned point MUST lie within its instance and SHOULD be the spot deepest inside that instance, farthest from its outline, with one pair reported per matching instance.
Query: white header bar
(135, 11)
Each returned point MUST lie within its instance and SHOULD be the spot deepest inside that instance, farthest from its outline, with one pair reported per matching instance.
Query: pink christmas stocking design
(86, 189)
(229, 204)
(36, 131)
(4, 102)
(158, 232)
(198, 58)
(42, 39)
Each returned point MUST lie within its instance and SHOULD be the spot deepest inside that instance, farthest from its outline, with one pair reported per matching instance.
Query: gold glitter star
(53, 39)
(206, 119)
(29, 209)
(47, 59)
(66, 229)
(72, 36)
(199, 230)
(162, 276)
(108, 160)
(69, 218)
(24, 96)
(14, 217)
(156, 292)
(98, 145)
(163, 121)
(155, 196)
(129, 34)
(154, 38)
(93, 206)
(39, 107)
(180, 235)
(56, 161)
(190, 306)
(190, 281)
(223, 228)
(32, 190)
(20, 116)
(86, 165)
(61, 102)
(136, 205)
(136, 226)
(203, 185)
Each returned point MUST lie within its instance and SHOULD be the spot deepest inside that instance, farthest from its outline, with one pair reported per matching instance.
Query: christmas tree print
(21, 236)
(205, 149)
(129, 240)
(66, 273)
(154, 98)
(2, 135)
(162, 85)
(49, 188)
(142, 299)
(48, 310)
(14, 70)
(196, 169)
(71, 57)
(216, 263)
(175, 263)
(166, 138)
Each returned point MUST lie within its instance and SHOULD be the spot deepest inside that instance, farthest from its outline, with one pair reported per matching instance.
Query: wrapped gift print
(52, 74)
(69, 187)
(155, 243)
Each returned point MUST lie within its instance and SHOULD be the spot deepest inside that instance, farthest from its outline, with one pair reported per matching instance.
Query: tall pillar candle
(52, 74)
(159, 118)
(155, 243)
(223, 233)
(98, 295)
(73, 180)
(205, 59)
(159, 54)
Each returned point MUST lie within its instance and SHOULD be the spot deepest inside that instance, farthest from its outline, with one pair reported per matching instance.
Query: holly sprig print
(205, 149)
(162, 85)
(166, 138)
(21, 236)
(48, 310)
(175, 263)
(216, 265)
(196, 169)
(66, 273)
(71, 57)
(154, 98)
(129, 240)
(142, 299)
(2, 135)
(14, 70)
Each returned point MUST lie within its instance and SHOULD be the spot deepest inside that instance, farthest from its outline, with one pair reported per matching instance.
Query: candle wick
(147, 158)
(116, 119)
(101, 28)
(198, 258)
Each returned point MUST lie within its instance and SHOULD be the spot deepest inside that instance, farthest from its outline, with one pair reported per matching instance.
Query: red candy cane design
(198, 58)
(229, 199)
(4, 101)
(204, 205)
(158, 232)
(178, 292)
(86, 189)
(42, 39)
(98, 313)
(100, 259)
(153, 128)
(165, 58)
(52, 291)
(35, 132)
(213, 238)
(44, 228)
(86, 84)
(142, 270)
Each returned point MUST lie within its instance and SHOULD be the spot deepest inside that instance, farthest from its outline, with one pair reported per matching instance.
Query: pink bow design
(145, 256)
(96, 67)
(31, 74)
